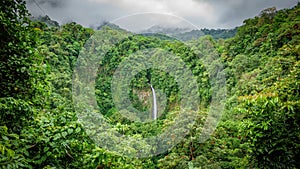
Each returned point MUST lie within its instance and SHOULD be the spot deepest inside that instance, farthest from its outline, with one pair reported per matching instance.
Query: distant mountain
(220, 33)
(165, 30)
(215, 33)
(111, 25)
(186, 34)
(159, 36)
(162, 32)
(45, 19)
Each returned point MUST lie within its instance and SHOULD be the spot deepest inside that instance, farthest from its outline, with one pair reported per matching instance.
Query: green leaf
(70, 131)
(49, 153)
(78, 129)
(5, 138)
(11, 153)
(64, 134)
(46, 149)
(57, 136)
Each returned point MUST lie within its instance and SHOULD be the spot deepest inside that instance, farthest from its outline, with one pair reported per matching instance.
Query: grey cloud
(87, 13)
(51, 3)
(231, 13)
(228, 13)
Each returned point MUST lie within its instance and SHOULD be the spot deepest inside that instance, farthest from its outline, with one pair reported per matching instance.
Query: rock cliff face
(144, 96)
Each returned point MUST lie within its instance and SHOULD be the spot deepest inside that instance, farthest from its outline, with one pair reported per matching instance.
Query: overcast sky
(136, 13)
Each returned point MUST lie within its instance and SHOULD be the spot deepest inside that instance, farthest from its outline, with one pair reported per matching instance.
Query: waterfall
(154, 104)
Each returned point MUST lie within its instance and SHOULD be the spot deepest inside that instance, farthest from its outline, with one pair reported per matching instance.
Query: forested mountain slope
(259, 127)
(215, 33)
(263, 72)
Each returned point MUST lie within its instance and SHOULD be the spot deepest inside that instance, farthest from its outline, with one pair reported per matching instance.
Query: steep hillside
(259, 128)
(263, 72)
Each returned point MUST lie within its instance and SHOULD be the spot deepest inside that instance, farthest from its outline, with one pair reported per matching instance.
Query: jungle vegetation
(259, 127)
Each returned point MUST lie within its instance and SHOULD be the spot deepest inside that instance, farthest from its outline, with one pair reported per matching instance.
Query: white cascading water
(154, 104)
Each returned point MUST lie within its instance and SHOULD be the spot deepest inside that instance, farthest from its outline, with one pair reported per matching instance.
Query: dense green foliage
(160, 80)
(266, 53)
(259, 127)
(215, 33)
